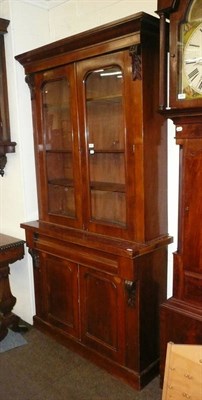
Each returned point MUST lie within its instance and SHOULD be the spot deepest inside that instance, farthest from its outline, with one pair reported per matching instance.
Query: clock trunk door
(191, 234)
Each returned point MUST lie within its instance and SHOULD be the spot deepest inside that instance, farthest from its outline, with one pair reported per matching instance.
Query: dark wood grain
(181, 315)
(100, 246)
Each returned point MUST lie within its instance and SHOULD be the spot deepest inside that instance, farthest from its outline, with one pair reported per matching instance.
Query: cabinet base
(133, 378)
(180, 323)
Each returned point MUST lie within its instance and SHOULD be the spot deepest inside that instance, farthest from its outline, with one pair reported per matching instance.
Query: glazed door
(106, 121)
(58, 148)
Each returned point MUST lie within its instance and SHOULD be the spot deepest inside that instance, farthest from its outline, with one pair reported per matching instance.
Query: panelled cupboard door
(57, 147)
(107, 111)
(102, 310)
(60, 278)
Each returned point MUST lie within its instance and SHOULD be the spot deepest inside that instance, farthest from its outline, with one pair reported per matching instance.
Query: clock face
(192, 61)
(190, 72)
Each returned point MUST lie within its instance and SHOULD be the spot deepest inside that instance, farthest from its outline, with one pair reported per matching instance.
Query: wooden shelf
(61, 182)
(107, 151)
(108, 187)
(108, 99)
(59, 151)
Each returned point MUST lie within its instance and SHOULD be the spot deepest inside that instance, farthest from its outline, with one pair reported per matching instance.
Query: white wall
(76, 16)
(28, 28)
(32, 26)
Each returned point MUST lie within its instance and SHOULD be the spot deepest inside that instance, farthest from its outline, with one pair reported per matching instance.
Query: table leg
(7, 302)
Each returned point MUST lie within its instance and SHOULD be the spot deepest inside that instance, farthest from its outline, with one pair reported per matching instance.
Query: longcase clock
(181, 315)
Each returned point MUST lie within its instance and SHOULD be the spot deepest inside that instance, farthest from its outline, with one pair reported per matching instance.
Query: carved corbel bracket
(131, 288)
(3, 161)
(35, 257)
(135, 53)
(29, 79)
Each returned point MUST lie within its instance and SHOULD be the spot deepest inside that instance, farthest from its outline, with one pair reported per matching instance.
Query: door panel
(102, 310)
(61, 293)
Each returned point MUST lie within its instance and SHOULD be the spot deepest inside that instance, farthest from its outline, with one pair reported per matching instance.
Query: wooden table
(11, 250)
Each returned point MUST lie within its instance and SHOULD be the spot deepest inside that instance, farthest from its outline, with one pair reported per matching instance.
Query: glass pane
(108, 206)
(105, 109)
(105, 124)
(61, 200)
(106, 133)
(57, 117)
(190, 54)
(107, 167)
(58, 145)
(190, 79)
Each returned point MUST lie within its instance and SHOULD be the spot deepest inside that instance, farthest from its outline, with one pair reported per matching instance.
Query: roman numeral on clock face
(193, 74)
(194, 45)
(200, 85)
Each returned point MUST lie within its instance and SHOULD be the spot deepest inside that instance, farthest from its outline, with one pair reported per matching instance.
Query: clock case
(177, 12)
(181, 315)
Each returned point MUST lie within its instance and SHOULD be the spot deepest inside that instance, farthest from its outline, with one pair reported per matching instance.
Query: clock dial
(192, 62)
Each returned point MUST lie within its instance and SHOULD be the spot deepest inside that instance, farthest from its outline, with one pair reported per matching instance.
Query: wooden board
(183, 372)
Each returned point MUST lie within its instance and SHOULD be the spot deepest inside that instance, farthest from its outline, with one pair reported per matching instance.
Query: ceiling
(46, 4)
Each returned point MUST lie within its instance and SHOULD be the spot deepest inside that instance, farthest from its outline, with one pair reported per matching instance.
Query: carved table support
(11, 250)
